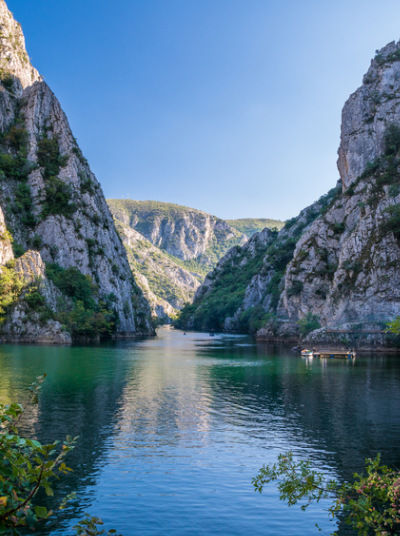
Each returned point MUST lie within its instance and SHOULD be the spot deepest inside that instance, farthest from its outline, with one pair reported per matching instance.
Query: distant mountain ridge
(250, 226)
(171, 248)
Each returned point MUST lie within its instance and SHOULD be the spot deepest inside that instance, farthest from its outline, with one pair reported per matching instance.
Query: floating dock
(329, 353)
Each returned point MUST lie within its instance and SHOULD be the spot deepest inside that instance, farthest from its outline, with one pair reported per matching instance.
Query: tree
(370, 503)
(27, 467)
(394, 326)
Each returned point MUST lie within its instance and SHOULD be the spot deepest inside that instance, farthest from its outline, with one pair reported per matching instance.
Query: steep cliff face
(166, 285)
(51, 200)
(170, 249)
(195, 237)
(243, 291)
(358, 236)
(339, 267)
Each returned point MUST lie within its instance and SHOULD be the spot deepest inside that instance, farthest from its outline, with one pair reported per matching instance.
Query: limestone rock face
(185, 233)
(25, 325)
(166, 285)
(338, 261)
(14, 60)
(367, 112)
(51, 200)
(170, 249)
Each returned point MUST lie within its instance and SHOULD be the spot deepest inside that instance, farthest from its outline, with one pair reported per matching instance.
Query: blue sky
(229, 106)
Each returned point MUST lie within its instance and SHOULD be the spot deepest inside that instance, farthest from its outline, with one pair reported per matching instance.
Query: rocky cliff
(193, 236)
(339, 269)
(166, 285)
(171, 248)
(55, 216)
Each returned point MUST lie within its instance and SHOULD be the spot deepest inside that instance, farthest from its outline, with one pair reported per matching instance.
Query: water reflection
(173, 429)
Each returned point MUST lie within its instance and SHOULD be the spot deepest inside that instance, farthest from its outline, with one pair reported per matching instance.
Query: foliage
(11, 286)
(58, 198)
(8, 82)
(231, 278)
(34, 298)
(89, 527)
(370, 503)
(338, 228)
(26, 467)
(308, 323)
(23, 205)
(392, 223)
(72, 283)
(249, 226)
(389, 58)
(15, 167)
(28, 470)
(58, 194)
(225, 297)
(49, 157)
(392, 139)
(295, 289)
(87, 315)
(18, 250)
(156, 266)
(394, 326)
(254, 318)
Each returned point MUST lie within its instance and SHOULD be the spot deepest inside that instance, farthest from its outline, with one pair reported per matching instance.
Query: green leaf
(41, 512)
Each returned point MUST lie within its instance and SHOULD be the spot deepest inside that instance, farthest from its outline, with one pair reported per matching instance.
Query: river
(173, 428)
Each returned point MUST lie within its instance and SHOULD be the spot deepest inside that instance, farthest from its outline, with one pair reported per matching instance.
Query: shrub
(37, 242)
(8, 82)
(295, 289)
(87, 315)
(28, 470)
(58, 198)
(338, 228)
(369, 502)
(72, 283)
(308, 323)
(11, 286)
(392, 139)
(49, 157)
(392, 223)
(34, 299)
(18, 250)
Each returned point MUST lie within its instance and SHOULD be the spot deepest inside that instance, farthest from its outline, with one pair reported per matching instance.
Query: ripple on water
(173, 429)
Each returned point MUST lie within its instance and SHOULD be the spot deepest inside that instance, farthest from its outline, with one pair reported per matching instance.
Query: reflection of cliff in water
(80, 397)
(348, 416)
(175, 397)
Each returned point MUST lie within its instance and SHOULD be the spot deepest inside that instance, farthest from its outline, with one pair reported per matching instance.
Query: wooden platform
(335, 353)
(330, 353)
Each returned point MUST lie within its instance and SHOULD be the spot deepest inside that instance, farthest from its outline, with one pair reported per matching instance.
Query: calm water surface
(172, 429)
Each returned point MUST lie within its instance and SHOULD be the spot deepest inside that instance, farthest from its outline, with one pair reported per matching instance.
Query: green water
(172, 429)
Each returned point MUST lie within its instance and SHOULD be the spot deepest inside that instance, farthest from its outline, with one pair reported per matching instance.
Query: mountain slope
(192, 236)
(250, 226)
(170, 249)
(166, 285)
(56, 217)
(340, 269)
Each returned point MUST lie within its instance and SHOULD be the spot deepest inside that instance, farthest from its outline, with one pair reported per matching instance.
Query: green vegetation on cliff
(11, 286)
(225, 297)
(180, 246)
(84, 313)
(249, 226)
(226, 286)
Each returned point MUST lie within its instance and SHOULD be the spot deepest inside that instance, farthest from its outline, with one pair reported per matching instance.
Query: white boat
(307, 353)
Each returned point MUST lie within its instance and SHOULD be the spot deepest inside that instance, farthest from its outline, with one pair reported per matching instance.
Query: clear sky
(229, 106)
